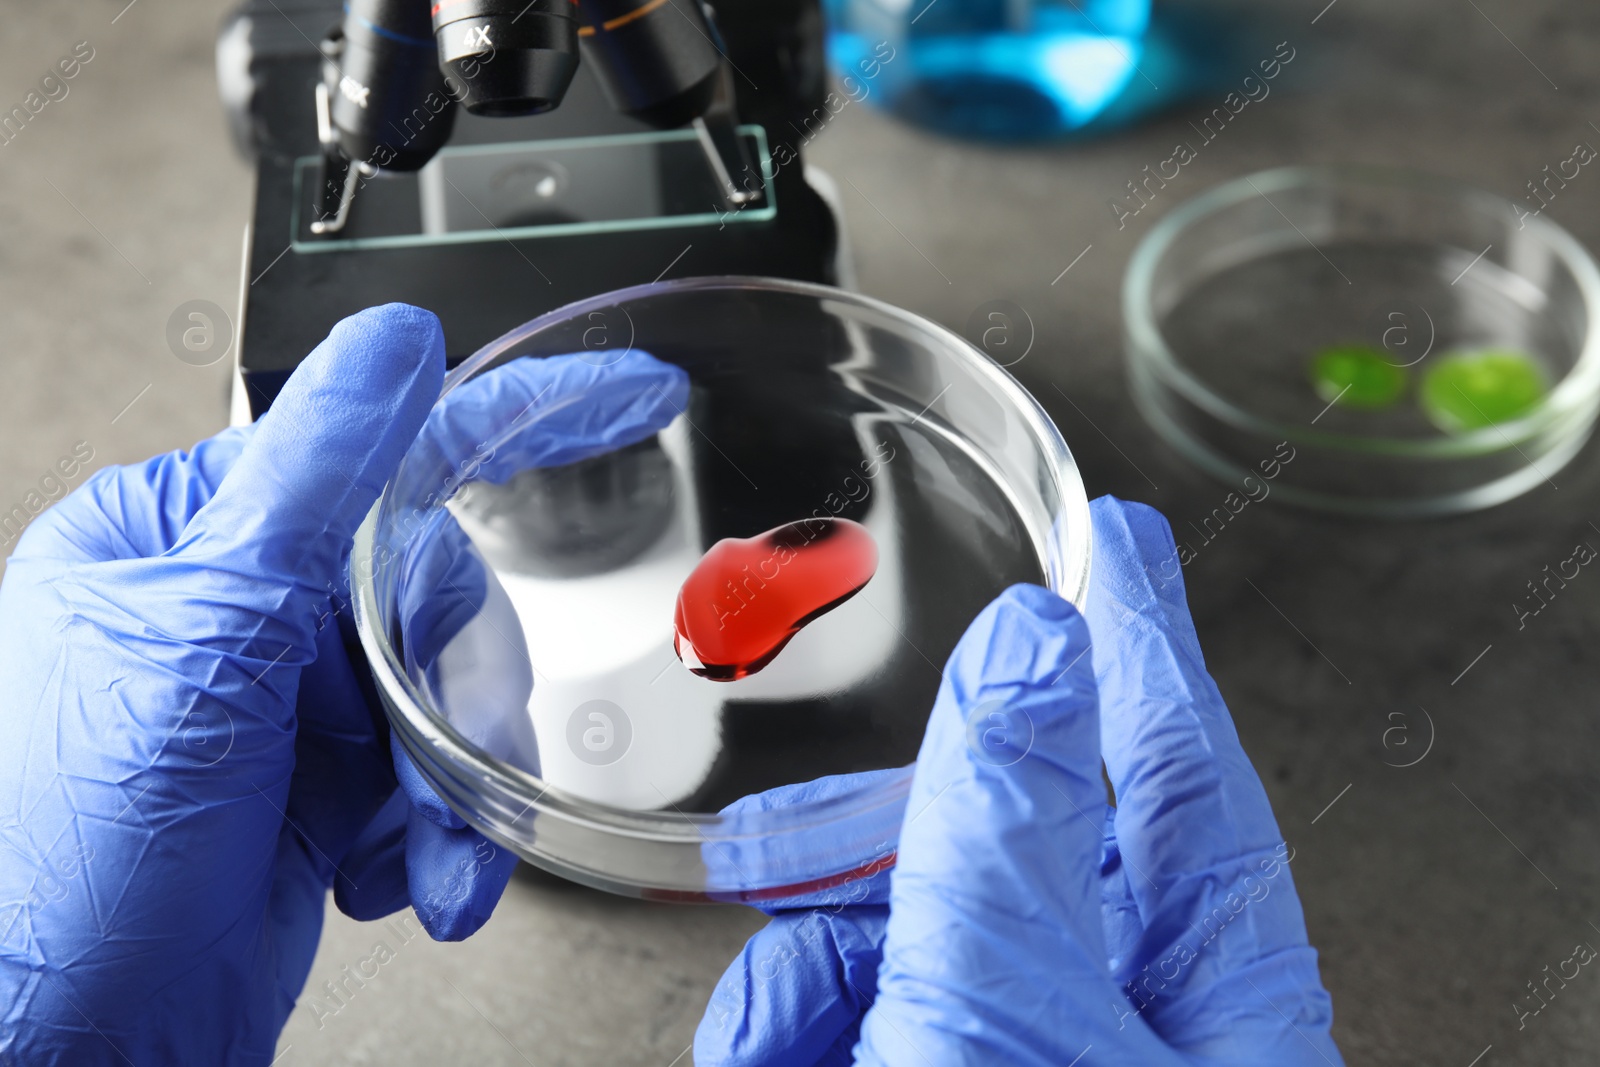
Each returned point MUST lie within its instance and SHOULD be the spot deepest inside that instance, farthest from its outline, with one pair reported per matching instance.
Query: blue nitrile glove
(537, 413)
(797, 992)
(190, 753)
(1021, 928)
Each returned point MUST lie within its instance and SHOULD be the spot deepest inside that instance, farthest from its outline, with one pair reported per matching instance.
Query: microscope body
(465, 189)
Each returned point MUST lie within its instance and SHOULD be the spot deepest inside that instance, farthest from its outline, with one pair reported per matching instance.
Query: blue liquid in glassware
(1001, 69)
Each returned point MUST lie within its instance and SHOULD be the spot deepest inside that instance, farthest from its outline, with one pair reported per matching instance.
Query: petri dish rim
(1149, 352)
(413, 716)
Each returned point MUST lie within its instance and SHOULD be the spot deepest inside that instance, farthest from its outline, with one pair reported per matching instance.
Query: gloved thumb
(995, 939)
(281, 522)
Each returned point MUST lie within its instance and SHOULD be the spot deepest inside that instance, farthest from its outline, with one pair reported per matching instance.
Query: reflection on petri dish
(526, 618)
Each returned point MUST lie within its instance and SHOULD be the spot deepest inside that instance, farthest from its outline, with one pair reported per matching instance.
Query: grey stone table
(1434, 893)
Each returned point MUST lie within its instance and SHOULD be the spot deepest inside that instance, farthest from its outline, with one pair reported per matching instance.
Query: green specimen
(1471, 389)
(1357, 376)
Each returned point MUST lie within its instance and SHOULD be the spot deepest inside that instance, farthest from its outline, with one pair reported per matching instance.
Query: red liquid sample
(749, 595)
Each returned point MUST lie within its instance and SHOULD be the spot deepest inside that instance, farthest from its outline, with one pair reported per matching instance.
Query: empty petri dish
(661, 596)
(1379, 341)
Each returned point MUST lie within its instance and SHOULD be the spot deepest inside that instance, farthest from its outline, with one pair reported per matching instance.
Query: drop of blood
(748, 596)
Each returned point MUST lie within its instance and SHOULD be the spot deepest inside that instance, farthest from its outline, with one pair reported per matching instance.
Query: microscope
(492, 160)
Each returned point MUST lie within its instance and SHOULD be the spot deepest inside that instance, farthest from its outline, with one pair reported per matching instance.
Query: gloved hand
(190, 752)
(1027, 923)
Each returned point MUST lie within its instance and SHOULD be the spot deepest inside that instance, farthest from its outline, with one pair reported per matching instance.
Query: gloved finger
(797, 992)
(452, 877)
(857, 871)
(1224, 935)
(277, 530)
(1119, 912)
(343, 772)
(374, 867)
(133, 511)
(542, 413)
(465, 646)
(419, 792)
(296, 907)
(529, 412)
(995, 945)
(455, 877)
(442, 588)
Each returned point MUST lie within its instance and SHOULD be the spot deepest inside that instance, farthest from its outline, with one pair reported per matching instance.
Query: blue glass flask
(1000, 69)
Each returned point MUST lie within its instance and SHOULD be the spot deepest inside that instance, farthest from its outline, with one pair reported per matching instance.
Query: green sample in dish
(1357, 376)
(1472, 389)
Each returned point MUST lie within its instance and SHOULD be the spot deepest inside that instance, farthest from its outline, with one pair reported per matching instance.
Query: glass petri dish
(1250, 310)
(517, 605)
